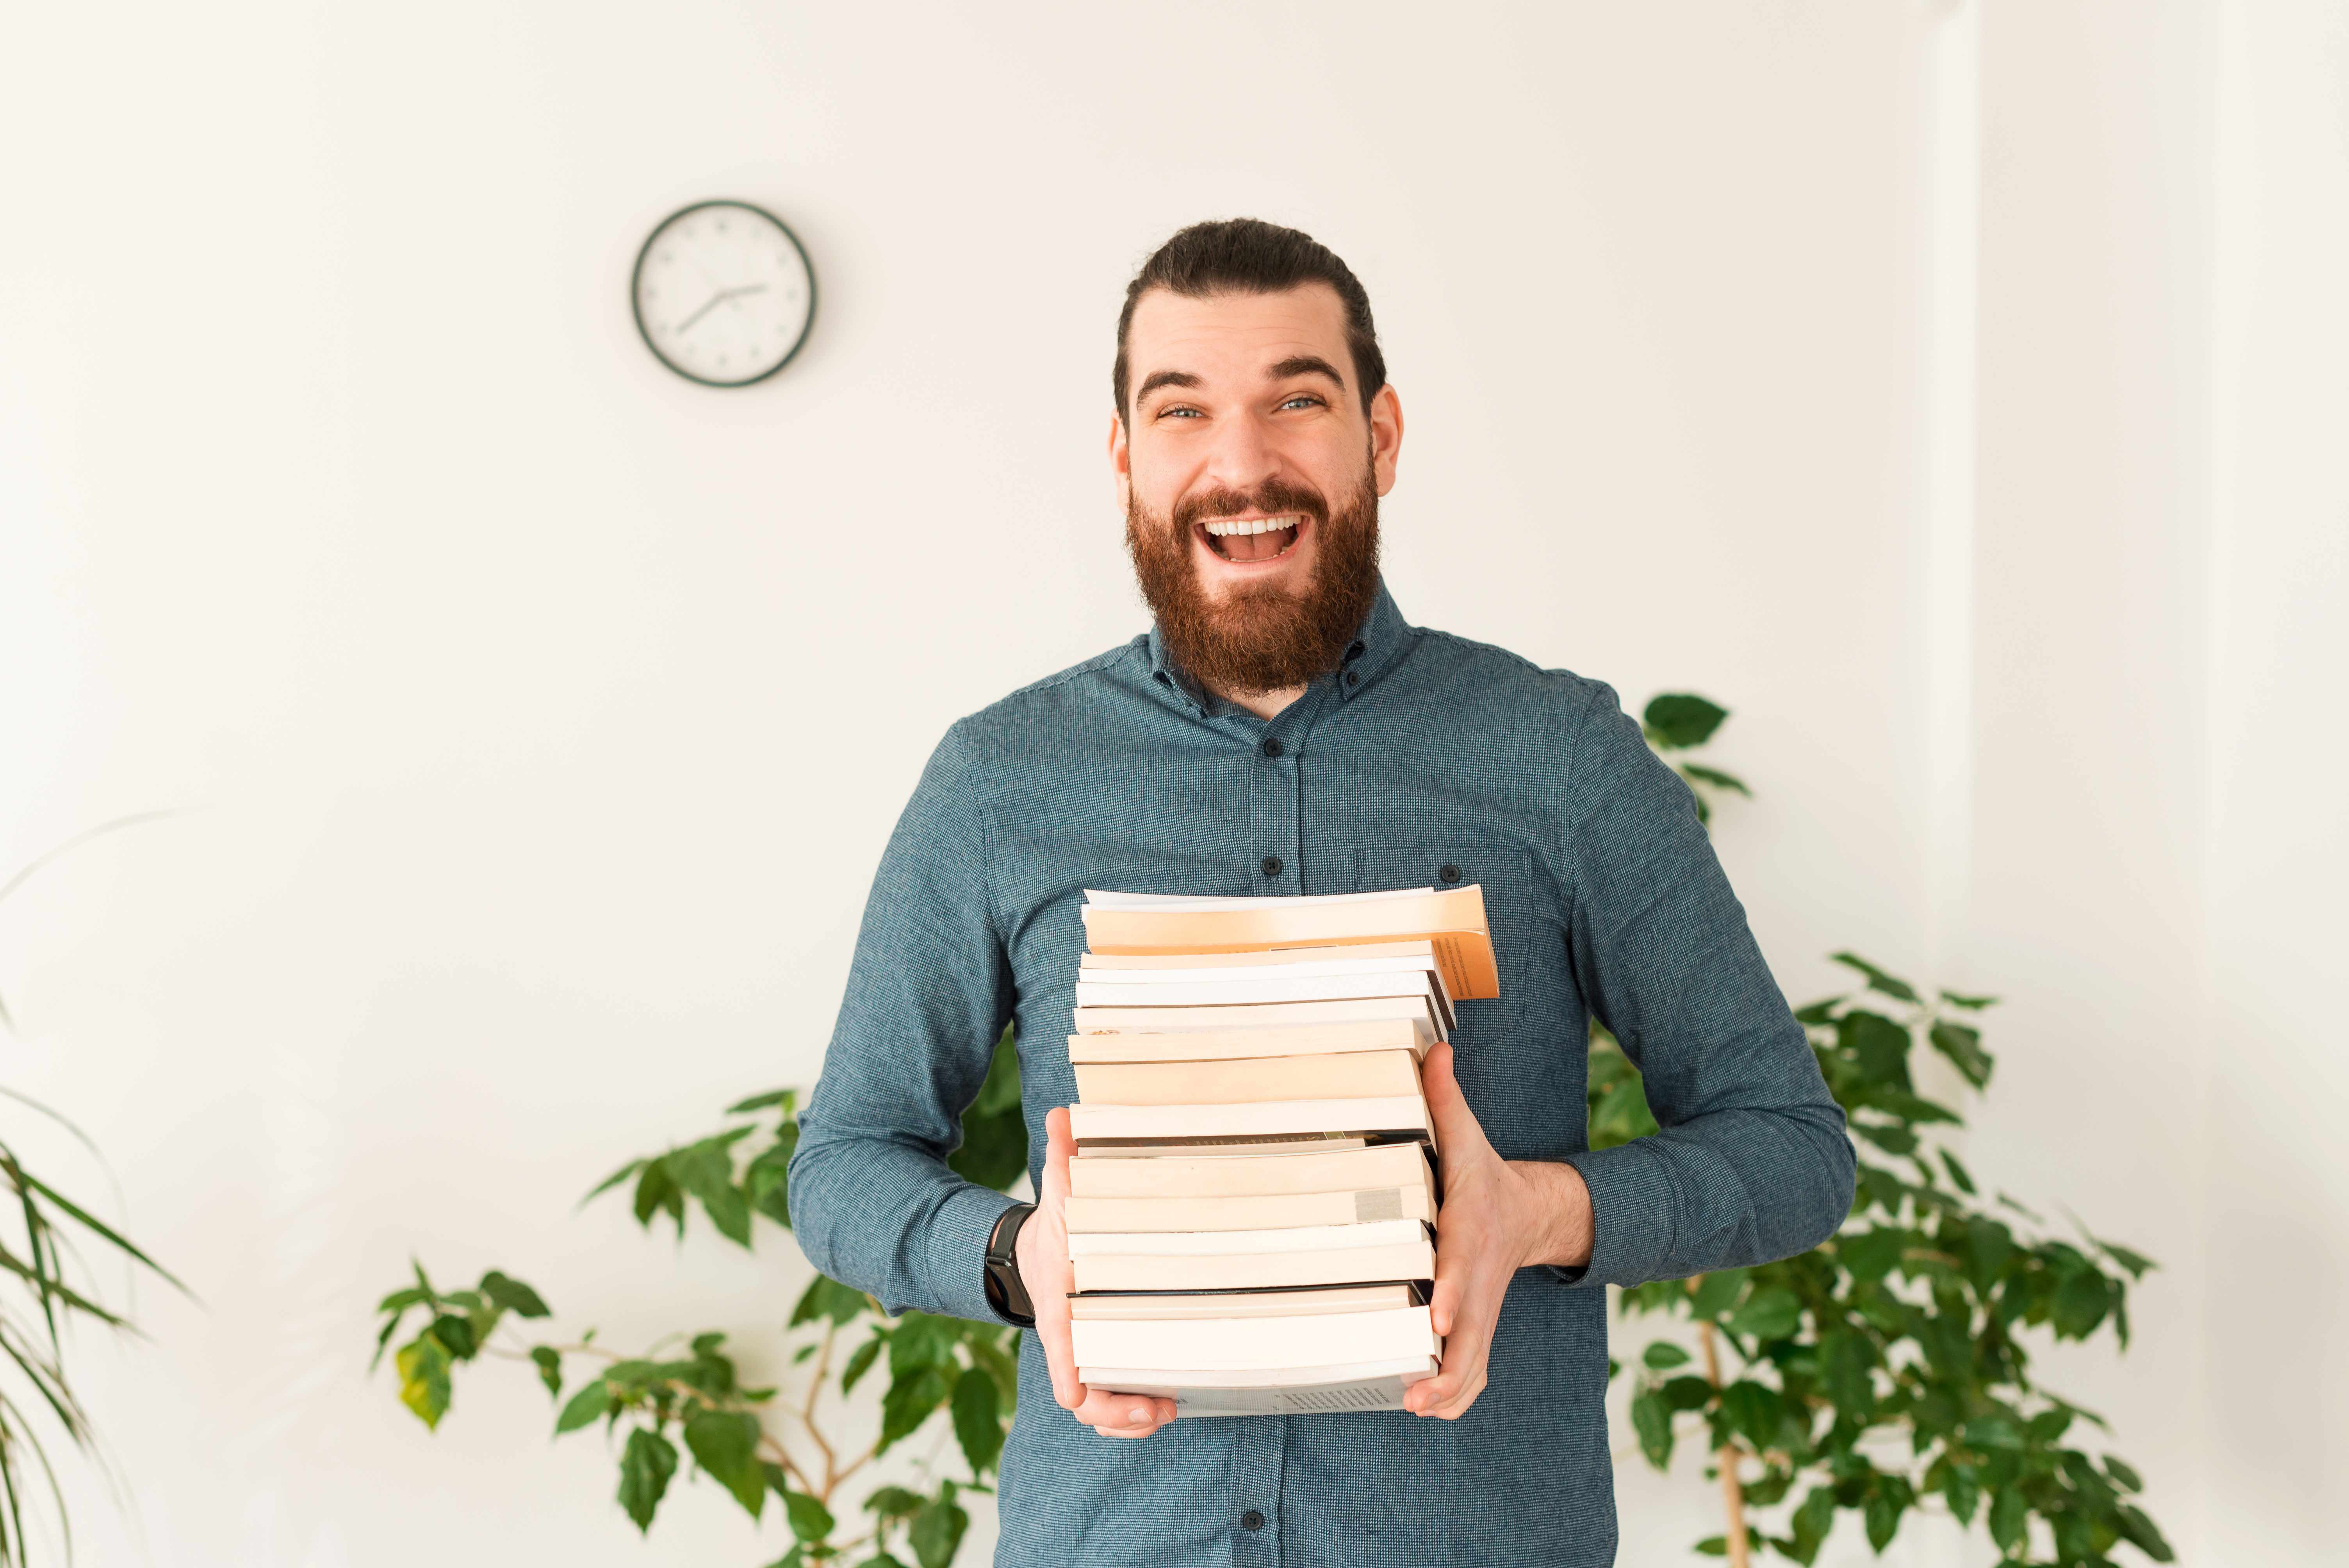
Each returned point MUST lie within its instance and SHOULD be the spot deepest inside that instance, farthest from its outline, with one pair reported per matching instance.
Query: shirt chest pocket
(1504, 873)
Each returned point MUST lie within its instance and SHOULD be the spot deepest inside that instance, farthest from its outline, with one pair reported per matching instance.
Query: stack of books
(1253, 1205)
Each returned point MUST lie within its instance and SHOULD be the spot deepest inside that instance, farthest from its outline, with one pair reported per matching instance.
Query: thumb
(1457, 1132)
(1059, 1145)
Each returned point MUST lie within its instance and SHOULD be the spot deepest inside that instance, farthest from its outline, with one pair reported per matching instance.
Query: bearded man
(1282, 730)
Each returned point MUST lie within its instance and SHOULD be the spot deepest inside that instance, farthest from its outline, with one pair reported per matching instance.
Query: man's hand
(1043, 1254)
(1499, 1216)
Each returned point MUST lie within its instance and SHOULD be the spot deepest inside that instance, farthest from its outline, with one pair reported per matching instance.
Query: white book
(1165, 1123)
(1232, 1244)
(1420, 1011)
(1225, 991)
(1259, 1344)
(1360, 1386)
(1111, 969)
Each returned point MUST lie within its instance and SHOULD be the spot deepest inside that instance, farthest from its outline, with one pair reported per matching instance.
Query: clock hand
(715, 300)
(720, 297)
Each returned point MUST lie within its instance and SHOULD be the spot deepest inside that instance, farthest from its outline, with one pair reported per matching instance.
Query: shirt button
(1271, 866)
(1449, 873)
(1271, 746)
(1251, 1520)
(1354, 677)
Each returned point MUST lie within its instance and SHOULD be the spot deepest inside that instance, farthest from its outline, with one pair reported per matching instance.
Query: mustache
(1273, 496)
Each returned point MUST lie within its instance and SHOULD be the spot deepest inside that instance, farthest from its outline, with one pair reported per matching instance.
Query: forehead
(1235, 337)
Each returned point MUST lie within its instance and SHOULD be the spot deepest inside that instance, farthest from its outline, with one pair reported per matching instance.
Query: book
(1261, 1014)
(1101, 965)
(1250, 1271)
(1256, 1344)
(1249, 990)
(1268, 1211)
(1291, 1391)
(1220, 1175)
(1347, 1233)
(1160, 1305)
(1280, 1143)
(1353, 1075)
(1328, 976)
(1223, 1045)
(1451, 921)
(1172, 1123)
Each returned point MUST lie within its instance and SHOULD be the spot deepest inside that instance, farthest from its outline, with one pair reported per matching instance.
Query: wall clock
(723, 294)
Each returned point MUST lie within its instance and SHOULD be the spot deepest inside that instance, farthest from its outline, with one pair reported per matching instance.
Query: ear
(1386, 436)
(1121, 464)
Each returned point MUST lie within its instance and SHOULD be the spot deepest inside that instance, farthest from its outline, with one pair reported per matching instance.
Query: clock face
(723, 294)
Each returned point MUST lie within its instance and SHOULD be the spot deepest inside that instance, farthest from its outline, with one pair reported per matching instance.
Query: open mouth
(1251, 539)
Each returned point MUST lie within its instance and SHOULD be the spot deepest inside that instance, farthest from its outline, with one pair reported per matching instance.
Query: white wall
(537, 717)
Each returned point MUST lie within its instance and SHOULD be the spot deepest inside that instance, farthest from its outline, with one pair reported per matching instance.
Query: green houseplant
(682, 1400)
(46, 1287)
(1887, 1371)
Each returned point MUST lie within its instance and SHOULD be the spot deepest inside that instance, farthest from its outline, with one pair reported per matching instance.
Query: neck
(1263, 704)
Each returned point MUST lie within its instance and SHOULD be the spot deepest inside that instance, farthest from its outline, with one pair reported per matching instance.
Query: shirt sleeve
(873, 1201)
(1752, 1162)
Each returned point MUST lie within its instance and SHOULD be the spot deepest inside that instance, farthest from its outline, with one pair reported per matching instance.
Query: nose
(1243, 456)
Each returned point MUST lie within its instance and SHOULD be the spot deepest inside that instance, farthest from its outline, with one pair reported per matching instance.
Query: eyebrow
(1305, 365)
(1158, 378)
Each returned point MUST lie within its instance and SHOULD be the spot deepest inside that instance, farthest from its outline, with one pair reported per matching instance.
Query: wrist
(1559, 1229)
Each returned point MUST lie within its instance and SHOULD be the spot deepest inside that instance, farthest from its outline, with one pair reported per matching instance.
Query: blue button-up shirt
(1423, 751)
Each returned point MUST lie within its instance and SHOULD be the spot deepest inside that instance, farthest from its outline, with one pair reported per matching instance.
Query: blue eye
(1305, 397)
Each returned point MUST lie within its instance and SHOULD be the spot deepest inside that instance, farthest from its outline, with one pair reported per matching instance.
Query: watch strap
(1005, 1292)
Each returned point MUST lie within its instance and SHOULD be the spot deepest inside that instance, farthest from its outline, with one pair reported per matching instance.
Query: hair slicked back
(1248, 255)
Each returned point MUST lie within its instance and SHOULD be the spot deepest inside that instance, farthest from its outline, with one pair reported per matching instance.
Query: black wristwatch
(1005, 1293)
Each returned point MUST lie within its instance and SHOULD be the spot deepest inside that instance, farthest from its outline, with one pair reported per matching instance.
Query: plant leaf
(512, 1294)
(859, 1363)
(1878, 980)
(1653, 1423)
(937, 1530)
(549, 1362)
(588, 1405)
(1674, 721)
(646, 1466)
(977, 1420)
(725, 1443)
(1962, 1045)
(811, 1521)
(1663, 1356)
(423, 1366)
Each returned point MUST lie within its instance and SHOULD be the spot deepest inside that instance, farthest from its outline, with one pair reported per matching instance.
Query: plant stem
(1732, 1493)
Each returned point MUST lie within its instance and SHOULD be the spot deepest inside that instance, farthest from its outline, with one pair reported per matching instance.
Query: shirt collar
(1384, 636)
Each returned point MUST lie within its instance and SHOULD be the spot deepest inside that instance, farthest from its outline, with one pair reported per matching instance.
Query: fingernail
(1138, 1415)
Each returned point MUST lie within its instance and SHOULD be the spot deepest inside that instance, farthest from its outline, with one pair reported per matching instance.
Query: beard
(1261, 638)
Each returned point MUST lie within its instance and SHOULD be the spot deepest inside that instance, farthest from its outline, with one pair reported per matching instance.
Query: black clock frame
(636, 274)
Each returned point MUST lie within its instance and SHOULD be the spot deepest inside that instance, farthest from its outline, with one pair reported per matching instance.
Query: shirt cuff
(1630, 1217)
(957, 1251)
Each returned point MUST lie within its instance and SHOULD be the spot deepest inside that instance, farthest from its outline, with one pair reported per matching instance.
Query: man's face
(1249, 475)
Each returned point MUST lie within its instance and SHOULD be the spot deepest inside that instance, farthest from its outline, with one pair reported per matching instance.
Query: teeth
(1228, 527)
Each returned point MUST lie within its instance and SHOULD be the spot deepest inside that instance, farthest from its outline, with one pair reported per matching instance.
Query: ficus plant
(681, 1401)
(1885, 1372)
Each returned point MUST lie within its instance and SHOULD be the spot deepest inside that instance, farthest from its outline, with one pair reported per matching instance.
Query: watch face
(722, 293)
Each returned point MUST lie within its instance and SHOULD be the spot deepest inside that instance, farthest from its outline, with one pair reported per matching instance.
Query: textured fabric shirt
(1426, 758)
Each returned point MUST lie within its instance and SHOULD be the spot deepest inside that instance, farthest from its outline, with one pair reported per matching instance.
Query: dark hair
(1248, 255)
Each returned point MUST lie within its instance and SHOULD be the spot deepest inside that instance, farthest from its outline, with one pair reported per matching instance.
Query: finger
(1121, 1412)
(1464, 1354)
(1457, 1131)
(1451, 1410)
(1058, 1147)
(1444, 1301)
